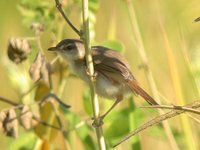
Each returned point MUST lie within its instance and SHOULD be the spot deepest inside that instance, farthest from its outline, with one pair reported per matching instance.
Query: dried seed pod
(34, 70)
(26, 117)
(45, 70)
(18, 49)
(37, 27)
(40, 69)
(34, 123)
(9, 123)
(2, 118)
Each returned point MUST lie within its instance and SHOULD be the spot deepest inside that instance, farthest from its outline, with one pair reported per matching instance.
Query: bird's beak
(52, 49)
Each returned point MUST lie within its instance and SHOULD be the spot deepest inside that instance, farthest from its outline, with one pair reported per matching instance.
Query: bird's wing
(116, 68)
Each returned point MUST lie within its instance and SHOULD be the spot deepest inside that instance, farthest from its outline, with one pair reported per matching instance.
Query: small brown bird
(113, 75)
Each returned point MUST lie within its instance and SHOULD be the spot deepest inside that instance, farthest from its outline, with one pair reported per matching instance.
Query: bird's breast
(107, 88)
(79, 68)
(104, 86)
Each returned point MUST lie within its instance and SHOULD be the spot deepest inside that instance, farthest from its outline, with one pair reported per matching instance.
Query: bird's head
(71, 49)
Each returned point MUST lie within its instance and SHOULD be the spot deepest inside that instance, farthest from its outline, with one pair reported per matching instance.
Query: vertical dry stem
(148, 72)
(187, 128)
(95, 102)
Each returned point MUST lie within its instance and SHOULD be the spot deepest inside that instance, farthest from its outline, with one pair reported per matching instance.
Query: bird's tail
(138, 90)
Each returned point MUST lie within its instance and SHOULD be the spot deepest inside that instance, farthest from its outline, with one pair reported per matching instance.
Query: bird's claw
(98, 121)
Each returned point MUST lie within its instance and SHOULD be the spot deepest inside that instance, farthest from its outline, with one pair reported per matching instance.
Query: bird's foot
(98, 121)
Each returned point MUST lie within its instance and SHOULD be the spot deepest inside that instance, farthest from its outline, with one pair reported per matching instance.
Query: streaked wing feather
(115, 67)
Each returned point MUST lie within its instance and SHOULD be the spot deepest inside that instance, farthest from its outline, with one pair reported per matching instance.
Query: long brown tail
(138, 90)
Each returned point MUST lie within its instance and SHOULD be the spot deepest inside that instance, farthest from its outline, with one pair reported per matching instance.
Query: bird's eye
(69, 47)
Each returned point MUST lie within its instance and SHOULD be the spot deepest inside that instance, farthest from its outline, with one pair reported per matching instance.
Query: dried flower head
(40, 69)
(37, 27)
(26, 118)
(9, 123)
(18, 49)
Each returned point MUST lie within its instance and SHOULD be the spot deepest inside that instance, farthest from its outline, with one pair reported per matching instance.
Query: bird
(114, 78)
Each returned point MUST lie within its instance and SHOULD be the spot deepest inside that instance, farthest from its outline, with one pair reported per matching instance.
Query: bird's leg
(119, 99)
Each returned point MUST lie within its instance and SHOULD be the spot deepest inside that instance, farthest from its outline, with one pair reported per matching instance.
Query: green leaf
(93, 5)
(83, 131)
(87, 102)
(119, 125)
(133, 123)
(24, 141)
(122, 122)
(115, 45)
(89, 143)
(37, 11)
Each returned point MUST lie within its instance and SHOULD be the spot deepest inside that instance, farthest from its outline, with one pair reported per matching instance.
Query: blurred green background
(171, 41)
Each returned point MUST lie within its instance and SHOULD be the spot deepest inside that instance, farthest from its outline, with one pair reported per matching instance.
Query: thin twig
(55, 98)
(5, 100)
(187, 109)
(31, 88)
(59, 7)
(57, 116)
(18, 116)
(45, 123)
(59, 120)
(157, 120)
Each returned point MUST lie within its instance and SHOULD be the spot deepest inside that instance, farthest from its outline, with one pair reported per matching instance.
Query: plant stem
(175, 107)
(5, 100)
(59, 6)
(158, 119)
(95, 102)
